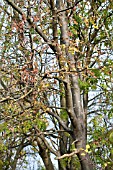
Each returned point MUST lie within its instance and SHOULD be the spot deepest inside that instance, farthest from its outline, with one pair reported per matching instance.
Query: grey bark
(73, 101)
(45, 154)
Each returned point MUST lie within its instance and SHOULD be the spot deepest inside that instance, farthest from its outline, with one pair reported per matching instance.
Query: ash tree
(56, 83)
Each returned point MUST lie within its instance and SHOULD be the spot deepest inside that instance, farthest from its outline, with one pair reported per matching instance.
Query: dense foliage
(56, 84)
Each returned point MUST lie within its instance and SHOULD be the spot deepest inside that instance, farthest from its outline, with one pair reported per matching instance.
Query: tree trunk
(45, 155)
(73, 100)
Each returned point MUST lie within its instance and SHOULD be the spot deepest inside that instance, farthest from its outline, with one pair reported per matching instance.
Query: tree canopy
(56, 84)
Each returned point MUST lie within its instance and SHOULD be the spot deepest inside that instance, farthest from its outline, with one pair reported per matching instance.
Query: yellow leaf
(105, 164)
(86, 21)
(95, 26)
(81, 149)
(76, 50)
(83, 154)
(72, 50)
(63, 46)
(87, 146)
(86, 150)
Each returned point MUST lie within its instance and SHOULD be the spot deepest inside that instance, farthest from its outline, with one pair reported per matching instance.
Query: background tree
(56, 83)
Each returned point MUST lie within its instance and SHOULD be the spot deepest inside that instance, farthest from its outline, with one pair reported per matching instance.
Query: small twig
(72, 7)
(68, 155)
(6, 99)
(22, 97)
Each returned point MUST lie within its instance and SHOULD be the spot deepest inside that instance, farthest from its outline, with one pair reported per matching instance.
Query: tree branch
(60, 121)
(68, 155)
(76, 3)
(31, 23)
